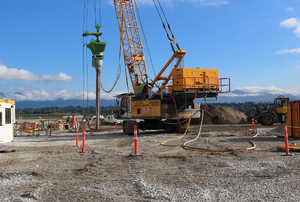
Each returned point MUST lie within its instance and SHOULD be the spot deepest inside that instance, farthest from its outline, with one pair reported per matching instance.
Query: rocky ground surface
(52, 168)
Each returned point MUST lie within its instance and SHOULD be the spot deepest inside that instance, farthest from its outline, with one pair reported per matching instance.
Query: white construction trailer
(7, 120)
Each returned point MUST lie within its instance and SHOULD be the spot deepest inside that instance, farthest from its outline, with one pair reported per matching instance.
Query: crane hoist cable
(127, 80)
(84, 26)
(95, 10)
(172, 39)
(95, 7)
(118, 72)
(137, 10)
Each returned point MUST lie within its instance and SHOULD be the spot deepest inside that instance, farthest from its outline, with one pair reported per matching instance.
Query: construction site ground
(52, 168)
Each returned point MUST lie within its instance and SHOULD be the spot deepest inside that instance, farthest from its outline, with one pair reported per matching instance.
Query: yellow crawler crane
(173, 101)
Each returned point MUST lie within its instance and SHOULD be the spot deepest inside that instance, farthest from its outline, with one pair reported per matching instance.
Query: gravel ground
(52, 168)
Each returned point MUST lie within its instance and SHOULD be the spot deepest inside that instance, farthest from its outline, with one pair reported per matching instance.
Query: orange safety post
(94, 122)
(90, 130)
(135, 143)
(83, 138)
(26, 126)
(76, 137)
(135, 140)
(253, 126)
(116, 124)
(286, 138)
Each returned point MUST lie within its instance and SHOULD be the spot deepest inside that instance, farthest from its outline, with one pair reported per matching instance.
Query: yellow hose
(184, 145)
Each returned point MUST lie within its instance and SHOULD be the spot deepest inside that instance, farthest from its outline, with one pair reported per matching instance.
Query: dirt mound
(222, 115)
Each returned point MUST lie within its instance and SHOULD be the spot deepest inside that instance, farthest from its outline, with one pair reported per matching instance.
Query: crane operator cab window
(281, 102)
(285, 102)
(278, 103)
(123, 105)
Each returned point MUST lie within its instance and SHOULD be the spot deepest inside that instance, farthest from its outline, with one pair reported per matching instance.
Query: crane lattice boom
(131, 41)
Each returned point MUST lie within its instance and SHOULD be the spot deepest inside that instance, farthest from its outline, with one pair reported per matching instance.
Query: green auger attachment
(96, 47)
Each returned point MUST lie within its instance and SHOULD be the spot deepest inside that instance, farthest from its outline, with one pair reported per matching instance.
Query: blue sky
(255, 43)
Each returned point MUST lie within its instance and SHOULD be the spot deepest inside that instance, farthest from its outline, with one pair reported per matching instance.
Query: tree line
(65, 110)
(106, 110)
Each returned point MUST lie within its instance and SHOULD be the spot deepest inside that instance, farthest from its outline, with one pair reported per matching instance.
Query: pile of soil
(222, 115)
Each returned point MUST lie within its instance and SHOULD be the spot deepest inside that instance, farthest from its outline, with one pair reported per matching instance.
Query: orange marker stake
(90, 130)
(135, 143)
(286, 138)
(83, 138)
(76, 137)
(253, 124)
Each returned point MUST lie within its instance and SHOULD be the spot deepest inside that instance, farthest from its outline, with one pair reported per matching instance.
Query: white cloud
(41, 95)
(16, 74)
(289, 51)
(288, 9)
(292, 23)
(272, 90)
(59, 77)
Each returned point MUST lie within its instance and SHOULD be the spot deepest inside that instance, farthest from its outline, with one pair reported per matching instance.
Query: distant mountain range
(241, 96)
(234, 96)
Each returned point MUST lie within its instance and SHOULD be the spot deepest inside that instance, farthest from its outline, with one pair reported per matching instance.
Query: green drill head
(96, 47)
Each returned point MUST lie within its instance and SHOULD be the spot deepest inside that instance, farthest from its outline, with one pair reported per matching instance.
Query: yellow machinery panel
(195, 78)
(281, 110)
(7, 101)
(146, 108)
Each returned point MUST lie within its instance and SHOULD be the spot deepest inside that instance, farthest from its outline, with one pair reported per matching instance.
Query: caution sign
(146, 109)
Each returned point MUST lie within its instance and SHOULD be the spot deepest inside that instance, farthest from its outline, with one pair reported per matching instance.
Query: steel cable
(145, 37)
(118, 72)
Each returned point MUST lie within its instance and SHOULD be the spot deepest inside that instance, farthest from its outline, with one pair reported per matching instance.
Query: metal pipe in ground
(97, 97)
